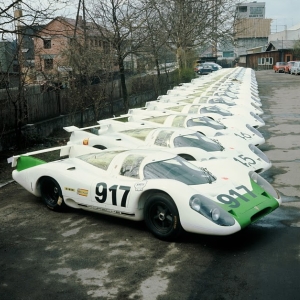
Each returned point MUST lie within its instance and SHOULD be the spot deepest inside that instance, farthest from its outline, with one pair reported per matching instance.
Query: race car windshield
(222, 101)
(205, 121)
(228, 94)
(215, 109)
(198, 141)
(100, 160)
(178, 169)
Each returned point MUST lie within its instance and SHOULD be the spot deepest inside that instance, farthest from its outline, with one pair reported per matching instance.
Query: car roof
(105, 158)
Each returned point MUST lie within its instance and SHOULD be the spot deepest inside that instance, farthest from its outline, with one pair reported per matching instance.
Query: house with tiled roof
(54, 41)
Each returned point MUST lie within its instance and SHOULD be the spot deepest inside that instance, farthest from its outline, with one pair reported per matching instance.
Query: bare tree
(155, 45)
(18, 24)
(90, 63)
(121, 25)
(191, 24)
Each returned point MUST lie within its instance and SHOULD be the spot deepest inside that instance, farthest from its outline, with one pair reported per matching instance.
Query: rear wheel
(162, 217)
(51, 194)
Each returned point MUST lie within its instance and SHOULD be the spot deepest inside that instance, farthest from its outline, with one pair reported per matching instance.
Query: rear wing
(119, 124)
(74, 128)
(68, 150)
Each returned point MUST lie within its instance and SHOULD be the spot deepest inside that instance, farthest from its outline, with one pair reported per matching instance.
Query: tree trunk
(123, 84)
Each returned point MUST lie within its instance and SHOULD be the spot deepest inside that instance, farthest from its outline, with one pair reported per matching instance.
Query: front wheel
(51, 194)
(162, 217)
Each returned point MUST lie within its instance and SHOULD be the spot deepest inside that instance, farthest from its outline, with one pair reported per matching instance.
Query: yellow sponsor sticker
(85, 142)
(69, 189)
(82, 192)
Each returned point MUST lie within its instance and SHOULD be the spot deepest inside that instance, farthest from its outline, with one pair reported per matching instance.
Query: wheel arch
(146, 194)
(39, 183)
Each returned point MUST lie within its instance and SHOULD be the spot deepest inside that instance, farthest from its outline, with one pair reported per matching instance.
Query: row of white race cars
(188, 161)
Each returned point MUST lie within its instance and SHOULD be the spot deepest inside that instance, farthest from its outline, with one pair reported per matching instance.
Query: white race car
(186, 143)
(166, 191)
(217, 112)
(238, 87)
(203, 124)
(220, 101)
(241, 94)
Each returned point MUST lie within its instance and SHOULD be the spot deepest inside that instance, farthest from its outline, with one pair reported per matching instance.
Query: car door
(116, 193)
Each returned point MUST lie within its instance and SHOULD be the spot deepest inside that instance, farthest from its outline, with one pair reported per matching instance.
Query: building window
(256, 12)
(265, 61)
(48, 64)
(242, 8)
(16, 68)
(47, 44)
(269, 61)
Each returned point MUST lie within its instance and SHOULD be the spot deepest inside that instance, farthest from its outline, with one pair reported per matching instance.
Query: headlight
(215, 214)
(256, 107)
(254, 130)
(264, 184)
(259, 153)
(211, 210)
(258, 118)
(255, 98)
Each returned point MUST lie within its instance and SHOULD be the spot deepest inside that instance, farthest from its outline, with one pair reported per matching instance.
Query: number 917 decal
(234, 202)
(102, 191)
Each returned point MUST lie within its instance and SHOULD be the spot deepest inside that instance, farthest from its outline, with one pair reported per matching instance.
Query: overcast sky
(283, 12)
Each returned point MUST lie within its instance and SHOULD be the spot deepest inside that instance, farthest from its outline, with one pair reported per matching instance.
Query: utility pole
(17, 16)
(21, 109)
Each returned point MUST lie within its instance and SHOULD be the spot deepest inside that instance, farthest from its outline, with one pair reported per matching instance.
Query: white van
(295, 69)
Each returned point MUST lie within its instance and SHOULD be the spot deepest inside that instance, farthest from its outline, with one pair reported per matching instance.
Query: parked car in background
(214, 66)
(279, 67)
(295, 69)
(289, 66)
(203, 69)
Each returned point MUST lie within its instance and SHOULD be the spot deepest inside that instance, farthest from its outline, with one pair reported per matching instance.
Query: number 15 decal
(243, 135)
(102, 191)
(246, 161)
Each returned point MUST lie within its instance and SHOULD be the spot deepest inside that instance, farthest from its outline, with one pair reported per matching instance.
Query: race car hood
(237, 193)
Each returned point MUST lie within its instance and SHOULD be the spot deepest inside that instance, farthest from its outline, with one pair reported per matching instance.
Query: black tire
(162, 217)
(52, 195)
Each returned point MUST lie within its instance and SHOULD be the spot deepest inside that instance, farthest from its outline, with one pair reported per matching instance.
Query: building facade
(64, 43)
(251, 10)
(251, 29)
